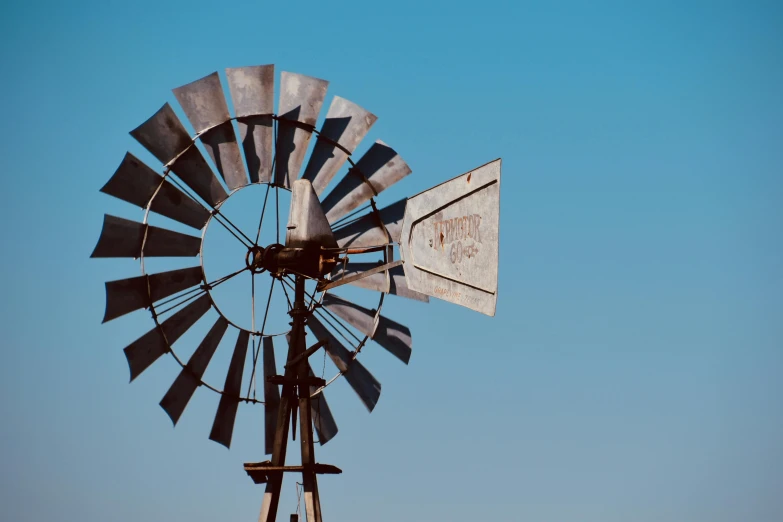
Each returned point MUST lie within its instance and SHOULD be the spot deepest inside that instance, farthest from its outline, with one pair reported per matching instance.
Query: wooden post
(291, 399)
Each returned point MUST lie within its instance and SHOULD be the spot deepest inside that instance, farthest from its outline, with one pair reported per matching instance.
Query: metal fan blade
(379, 168)
(345, 126)
(300, 102)
(366, 231)
(271, 396)
(253, 91)
(123, 238)
(205, 106)
(136, 183)
(395, 284)
(127, 295)
(391, 335)
(361, 380)
(323, 421)
(166, 138)
(223, 426)
(148, 348)
(183, 388)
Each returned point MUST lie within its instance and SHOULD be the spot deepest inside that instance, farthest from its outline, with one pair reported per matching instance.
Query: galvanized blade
(307, 225)
(323, 421)
(361, 380)
(148, 348)
(395, 284)
(252, 91)
(301, 98)
(223, 426)
(391, 335)
(205, 106)
(345, 126)
(450, 239)
(379, 168)
(366, 230)
(136, 183)
(123, 238)
(127, 295)
(166, 138)
(271, 396)
(183, 388)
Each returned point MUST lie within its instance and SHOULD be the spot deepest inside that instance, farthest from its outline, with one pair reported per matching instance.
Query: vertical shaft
(290, 399)
(306, 431)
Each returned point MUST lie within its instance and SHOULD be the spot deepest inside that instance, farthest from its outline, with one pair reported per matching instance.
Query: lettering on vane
(461, 235)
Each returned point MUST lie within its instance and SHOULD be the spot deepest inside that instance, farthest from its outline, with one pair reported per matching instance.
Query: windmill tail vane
(440, 243)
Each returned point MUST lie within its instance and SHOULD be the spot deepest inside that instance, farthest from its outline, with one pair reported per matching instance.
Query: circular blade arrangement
(272, 153)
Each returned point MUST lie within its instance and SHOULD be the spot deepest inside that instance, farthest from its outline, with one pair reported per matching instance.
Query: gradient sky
(632, 372)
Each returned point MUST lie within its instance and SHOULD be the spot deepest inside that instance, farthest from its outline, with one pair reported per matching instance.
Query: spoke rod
(198, 294)
(213, 284)
(233, 225)
(263, 210)
(217, 215)
(258, 351)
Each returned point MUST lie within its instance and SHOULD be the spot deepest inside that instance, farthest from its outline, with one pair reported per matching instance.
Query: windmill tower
(446, 241)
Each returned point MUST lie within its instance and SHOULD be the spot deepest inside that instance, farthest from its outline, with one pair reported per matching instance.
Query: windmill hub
(310, 261)
(254, 259)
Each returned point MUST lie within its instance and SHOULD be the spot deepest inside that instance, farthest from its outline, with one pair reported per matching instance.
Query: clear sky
(632, 372)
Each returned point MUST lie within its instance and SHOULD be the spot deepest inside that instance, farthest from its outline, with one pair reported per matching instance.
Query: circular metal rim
(314, 305)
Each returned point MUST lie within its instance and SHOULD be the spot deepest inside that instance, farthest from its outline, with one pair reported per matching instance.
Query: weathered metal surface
(148, 348)
(378, 169)
(136, 183)
(189, 378)
(225, 417)
(346, 124)
(123, 238)
(323, 421)
(166, 138)
(450, 239)
(253, 91)
(205, 106)
(301, 98)
(127, 295)
(271, 395)
(391, 335)
(395, 284)
(307, 225)
(366, 231)
(360, 379)
(329, 285)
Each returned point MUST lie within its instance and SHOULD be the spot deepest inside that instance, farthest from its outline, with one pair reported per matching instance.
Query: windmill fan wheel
(328, 236)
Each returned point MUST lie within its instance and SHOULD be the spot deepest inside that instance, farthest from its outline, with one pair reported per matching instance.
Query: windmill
(446, 238)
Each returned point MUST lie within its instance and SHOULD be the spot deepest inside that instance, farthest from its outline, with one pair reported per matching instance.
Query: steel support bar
(356, 277)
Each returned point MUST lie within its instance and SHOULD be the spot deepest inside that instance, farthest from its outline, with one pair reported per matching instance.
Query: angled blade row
(392, 336)
(368, 230)
(143, 352)
(393, 284)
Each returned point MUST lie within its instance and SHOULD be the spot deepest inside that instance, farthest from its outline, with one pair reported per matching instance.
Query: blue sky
(633, 369)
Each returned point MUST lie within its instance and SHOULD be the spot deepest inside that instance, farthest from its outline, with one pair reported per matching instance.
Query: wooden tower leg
(308, 450)
(290, 399)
